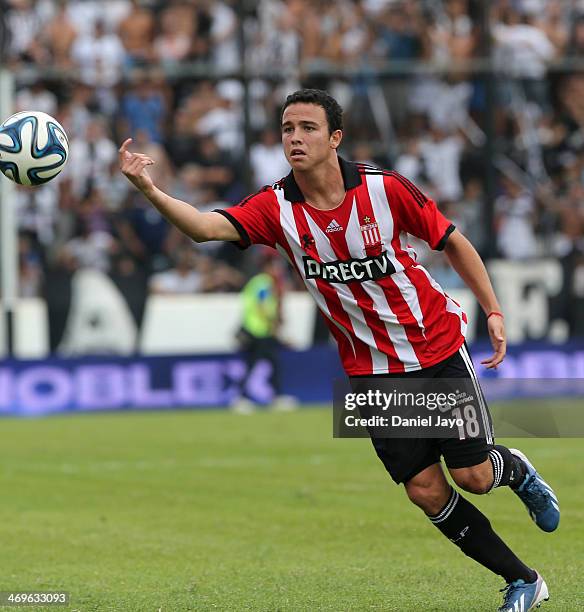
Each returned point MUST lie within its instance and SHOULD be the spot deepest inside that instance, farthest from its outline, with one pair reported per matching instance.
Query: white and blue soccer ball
(33, 148)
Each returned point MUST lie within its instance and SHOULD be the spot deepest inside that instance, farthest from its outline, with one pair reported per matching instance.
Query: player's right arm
(200, 227)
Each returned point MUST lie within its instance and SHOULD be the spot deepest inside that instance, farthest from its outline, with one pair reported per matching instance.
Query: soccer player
(343, 226)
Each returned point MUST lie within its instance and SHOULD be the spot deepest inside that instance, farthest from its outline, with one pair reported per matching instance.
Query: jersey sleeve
(256, 218)
(415, 213)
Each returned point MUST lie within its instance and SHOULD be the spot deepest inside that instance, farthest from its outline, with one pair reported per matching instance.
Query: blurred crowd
(166, 74)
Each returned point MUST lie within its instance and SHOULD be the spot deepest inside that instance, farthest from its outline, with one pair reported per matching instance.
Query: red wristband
(495, 313)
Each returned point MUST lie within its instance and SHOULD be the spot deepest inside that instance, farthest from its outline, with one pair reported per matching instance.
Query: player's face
(305, 135)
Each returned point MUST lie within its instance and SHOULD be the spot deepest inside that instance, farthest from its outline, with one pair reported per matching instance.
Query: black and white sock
(468, 528)
(507, 468)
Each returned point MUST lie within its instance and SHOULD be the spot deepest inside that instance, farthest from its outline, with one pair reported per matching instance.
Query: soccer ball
(33, 148)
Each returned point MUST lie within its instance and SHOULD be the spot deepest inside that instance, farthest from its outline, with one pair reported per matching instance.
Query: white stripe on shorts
(480, 398)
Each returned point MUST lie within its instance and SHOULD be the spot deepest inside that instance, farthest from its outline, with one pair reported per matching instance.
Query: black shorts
(403, 458)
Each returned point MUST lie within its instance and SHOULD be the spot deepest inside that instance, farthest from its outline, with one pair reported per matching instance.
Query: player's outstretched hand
(497, 334)
(133, 166)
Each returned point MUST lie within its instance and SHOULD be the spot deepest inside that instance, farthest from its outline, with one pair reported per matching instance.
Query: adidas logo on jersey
(333, 226)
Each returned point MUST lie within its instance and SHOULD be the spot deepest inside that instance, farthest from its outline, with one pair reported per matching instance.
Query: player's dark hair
(333, 110)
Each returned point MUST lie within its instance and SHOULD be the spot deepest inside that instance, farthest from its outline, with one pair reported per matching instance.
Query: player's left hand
(496, 327)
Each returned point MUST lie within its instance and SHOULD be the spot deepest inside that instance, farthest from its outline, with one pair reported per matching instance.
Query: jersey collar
(351, 179)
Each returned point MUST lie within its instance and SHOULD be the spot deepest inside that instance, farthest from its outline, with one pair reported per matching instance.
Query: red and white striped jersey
(385, 311)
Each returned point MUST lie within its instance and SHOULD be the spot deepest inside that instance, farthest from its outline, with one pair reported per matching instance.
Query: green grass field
(214, 511)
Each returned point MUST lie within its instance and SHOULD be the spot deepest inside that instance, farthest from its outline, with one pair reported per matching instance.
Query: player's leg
(507, 467)
(476, 479)
(469, 463)
(465, 525)
(429, 489)
(501, 468)
(415, 462)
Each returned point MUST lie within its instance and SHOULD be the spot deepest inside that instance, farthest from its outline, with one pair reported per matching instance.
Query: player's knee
(429, 498)
(474, 481)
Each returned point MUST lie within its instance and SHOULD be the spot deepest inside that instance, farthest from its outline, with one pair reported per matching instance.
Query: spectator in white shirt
(36, 211)
(523, 52)
(183, 279)
(224, 44)
(409, 162)
(277, 41)
(38, 98)
(90, 158)
(515, 211)
(58, 36)
(91, 249)
(441, 154)
(525, 49)
(268, 162)
(24, 24)
(223, 121)
(83, 14)
(452, 34)
(100, 56)
(177, 30)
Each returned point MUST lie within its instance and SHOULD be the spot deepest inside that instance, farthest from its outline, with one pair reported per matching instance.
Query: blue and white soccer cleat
(538, 497)
(521, 597)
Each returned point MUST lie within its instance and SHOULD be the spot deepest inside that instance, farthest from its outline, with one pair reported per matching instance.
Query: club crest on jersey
(370, 232)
